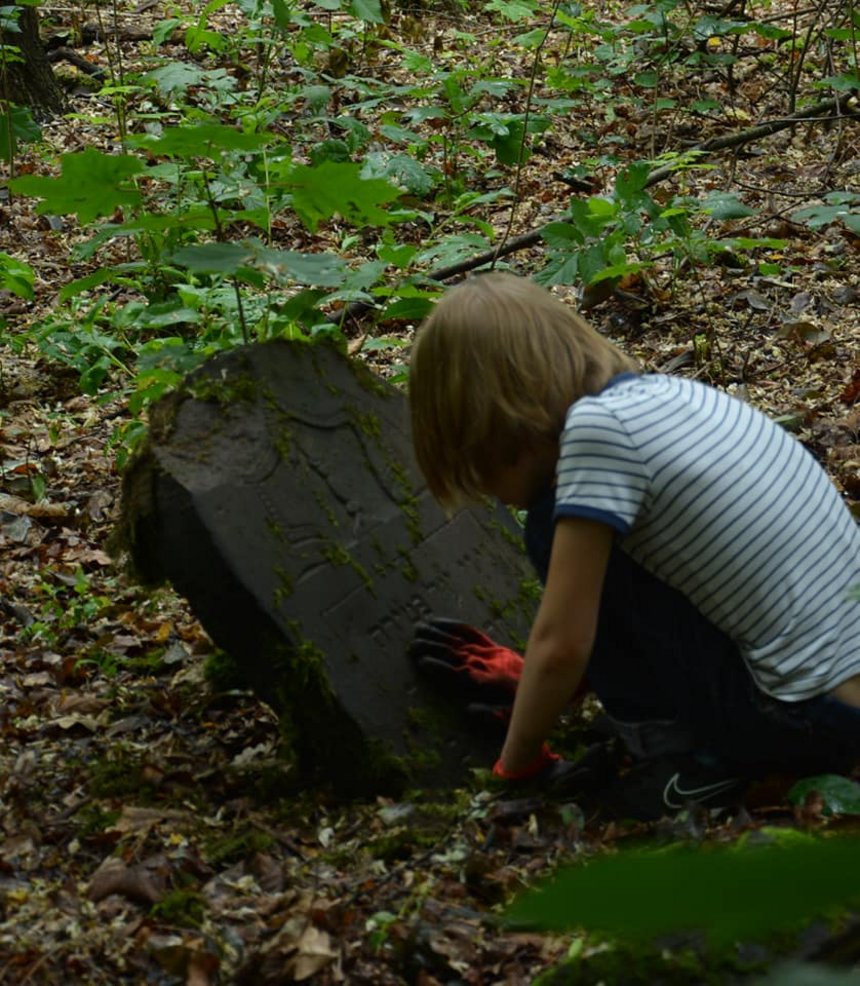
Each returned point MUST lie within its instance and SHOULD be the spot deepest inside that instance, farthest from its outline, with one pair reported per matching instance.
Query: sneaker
(652, 789)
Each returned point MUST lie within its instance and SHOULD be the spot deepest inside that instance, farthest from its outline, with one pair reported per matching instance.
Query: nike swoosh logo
(674, 791)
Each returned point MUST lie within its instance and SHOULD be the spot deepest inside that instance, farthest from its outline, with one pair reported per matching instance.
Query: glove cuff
(530, 771)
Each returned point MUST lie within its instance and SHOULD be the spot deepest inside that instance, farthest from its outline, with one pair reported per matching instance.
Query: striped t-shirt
(715, 499)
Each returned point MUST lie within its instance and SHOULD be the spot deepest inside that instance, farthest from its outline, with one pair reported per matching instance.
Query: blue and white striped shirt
(715, 499)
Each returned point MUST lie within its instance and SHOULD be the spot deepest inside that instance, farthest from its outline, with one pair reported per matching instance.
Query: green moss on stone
(407, 499)
(224, 391)
(407, 565)
(336, 554)
(286, 586)
(326, 508)
(367, 422)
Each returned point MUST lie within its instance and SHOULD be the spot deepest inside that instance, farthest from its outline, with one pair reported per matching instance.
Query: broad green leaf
(736, 894)
(398, 255)
(16, 276)
(201, 140)
(177, 77)
(560, 269)
(90, 184)
(332, 149)
(453, 249)
(769, 31)
(595, 259)
(511, 147)
(316, 97)
(400, 135)
(402, 169)
(384, 342)
(281, 13)
(562, 236)
(744, 243)
(841, 795)
(420, 114)
(417, 64)
(513, 10)
(839, 33)
(369, 11)
(214, 258)
(74, 288)
(325, 270)
(531, 39)
(174, 77)
(411, 309)
(17, 126)
(212, 7)
(714, 26)
(619, 270)
(163, 29)
(823, 215)
(842, 83)
(807, 974)
(724, 205)
(338, 189)
(706, 105)
(602, 208)
(630, 186)
(198, 38)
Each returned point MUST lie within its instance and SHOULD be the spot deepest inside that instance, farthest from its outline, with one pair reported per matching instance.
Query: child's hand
(460, 656)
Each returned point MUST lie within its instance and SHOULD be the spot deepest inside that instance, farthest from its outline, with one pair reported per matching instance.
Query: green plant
(64, 603)
(16, 276)
(17, 125)
(740, 893)
(627, 232)
(182, 908)
(241, 210)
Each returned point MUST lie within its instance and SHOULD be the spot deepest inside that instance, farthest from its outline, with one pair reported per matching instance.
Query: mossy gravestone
(279, 495)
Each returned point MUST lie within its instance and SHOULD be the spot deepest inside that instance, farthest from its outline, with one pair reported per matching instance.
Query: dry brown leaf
(314, 952)
(66, 723)
(135, 819)
(69, 703)
(44, 511)
(136, 883)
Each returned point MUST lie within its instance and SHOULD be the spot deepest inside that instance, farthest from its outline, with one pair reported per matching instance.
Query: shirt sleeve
(601, 474)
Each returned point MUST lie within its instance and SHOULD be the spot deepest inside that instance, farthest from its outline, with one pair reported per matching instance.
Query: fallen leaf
(852, 392)
(313, 953)
(135, 883)
(47, 511)
(133, 819)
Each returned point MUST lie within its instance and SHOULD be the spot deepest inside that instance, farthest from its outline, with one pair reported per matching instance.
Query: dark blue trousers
(673, 682)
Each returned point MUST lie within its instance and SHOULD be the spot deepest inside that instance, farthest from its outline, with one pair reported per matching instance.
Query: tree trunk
(27, 78)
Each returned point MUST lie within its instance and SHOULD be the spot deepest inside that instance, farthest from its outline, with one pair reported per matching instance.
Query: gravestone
(278, 493)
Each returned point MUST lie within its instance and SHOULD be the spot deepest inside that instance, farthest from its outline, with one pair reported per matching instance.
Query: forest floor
(151, 834)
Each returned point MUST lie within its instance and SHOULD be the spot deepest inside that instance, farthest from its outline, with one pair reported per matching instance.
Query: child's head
(493, 371)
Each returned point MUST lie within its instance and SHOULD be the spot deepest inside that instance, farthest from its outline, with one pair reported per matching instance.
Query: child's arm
(561, 639)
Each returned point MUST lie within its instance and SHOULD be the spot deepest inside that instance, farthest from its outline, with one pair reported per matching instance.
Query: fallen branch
(827, 109)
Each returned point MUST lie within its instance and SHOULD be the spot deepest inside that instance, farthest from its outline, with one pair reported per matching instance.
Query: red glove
(459, 655)
(545, 759)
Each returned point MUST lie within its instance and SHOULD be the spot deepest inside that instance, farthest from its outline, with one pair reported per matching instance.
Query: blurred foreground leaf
(841, 796)
(729, 894)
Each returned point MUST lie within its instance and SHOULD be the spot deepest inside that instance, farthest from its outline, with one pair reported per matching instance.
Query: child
(698, 563)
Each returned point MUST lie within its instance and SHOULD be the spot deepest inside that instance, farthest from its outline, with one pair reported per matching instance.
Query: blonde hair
(493, 371)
